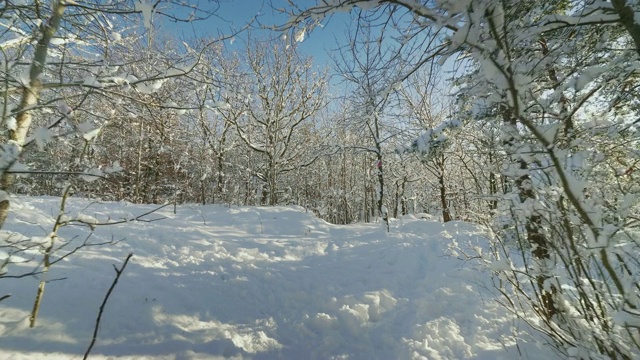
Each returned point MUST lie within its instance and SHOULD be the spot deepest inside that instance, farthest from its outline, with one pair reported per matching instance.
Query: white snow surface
(215, 282)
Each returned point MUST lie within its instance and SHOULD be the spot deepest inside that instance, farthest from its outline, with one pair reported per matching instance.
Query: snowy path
(255, 283)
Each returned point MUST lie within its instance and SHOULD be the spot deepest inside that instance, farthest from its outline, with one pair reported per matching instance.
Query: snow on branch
(432, 141)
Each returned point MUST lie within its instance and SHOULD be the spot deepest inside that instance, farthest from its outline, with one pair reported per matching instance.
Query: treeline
(155, 120)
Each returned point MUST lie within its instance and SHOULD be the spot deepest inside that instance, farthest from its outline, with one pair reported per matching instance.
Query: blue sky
(235, 14)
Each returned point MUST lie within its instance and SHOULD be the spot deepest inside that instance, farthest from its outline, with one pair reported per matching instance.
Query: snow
(150, 87)
(368, 4)
(113, 168)
(432, 140)
(42, 137)
(90, 135)
(628, 318)
(92, 82)
(4, 196)
(11, 123)
(64, 109)
(300, 35)
(214, 282)
(147, 10)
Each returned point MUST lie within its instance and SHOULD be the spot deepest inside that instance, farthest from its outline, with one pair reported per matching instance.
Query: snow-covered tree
(556, 78)
(428, 110)
(61, 59)
(372, 73)
(65, 76)
(283, 94)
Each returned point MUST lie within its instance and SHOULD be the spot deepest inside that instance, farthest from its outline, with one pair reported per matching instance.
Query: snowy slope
(254, 283)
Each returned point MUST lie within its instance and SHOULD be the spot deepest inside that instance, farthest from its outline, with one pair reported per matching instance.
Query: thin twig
(138, 218)
(104, 303)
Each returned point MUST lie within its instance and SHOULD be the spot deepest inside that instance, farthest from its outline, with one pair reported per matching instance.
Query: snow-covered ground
(213, 282)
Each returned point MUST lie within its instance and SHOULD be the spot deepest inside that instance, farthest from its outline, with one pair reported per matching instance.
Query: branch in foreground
(104, 303)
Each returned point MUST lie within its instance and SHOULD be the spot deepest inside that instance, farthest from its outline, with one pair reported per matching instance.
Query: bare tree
(285, 93)
(430, 110)
(372, 72)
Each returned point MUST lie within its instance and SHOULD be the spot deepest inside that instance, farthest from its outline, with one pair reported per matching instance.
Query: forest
(520, 116)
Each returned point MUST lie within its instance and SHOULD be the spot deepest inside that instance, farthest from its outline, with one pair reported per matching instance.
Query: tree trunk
(533, 225)
(627, 18)
(396, 204)
(493, 186)
(446, 215)
(272, 184)
(365, 204)
(403, 199)
(539, 242)
(29, 98)
(219, 188)
(384, 213)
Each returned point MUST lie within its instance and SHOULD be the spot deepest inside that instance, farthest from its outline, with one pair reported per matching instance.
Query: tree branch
(104, 303)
